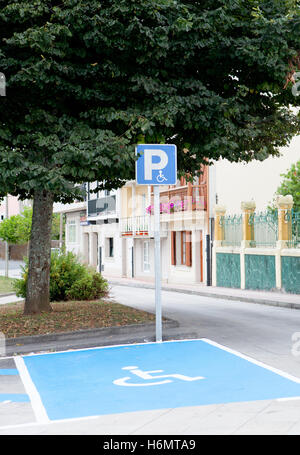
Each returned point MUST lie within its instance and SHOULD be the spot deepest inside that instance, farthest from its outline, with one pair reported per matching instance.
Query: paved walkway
(11, 298)
(244, 295)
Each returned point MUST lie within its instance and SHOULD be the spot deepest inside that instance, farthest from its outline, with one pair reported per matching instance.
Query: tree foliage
(86, 79)
(16, 229)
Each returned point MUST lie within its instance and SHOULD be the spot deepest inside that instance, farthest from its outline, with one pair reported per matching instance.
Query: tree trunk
(38, 283)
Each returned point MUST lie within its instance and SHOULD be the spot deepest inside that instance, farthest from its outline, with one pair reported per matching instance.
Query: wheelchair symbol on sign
(146, 375)
(161, 178)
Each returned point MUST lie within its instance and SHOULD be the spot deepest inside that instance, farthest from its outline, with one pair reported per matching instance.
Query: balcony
(140, 227)
(176, 203)
(104, 206)
(188, 197)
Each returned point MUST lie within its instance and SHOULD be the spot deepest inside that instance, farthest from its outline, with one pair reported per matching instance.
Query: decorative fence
(294, 231)
(232, 227)
(258, 250)
(264, 228)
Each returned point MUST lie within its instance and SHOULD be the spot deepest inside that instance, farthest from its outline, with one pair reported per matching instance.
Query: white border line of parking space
(35, 399)
(250, 359)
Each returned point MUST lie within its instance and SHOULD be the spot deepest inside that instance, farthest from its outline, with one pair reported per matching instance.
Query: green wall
(228, 270)
(290, 274)
(260, 272)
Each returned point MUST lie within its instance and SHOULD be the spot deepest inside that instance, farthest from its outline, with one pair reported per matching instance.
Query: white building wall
(97, 235)
(257, 180)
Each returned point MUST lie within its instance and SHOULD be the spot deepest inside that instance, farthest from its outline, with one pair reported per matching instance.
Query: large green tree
(86, 80)
(291, 184)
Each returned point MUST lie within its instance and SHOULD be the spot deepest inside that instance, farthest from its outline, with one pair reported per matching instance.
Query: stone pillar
(284, 205)
(248, 209)
(220, 211)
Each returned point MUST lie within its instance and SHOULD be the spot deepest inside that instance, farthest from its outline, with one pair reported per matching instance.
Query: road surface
(268, 334)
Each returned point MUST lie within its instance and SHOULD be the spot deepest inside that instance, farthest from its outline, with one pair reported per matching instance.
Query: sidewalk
(9, 298)
(244, 295)
(14, 268)
(280, 299)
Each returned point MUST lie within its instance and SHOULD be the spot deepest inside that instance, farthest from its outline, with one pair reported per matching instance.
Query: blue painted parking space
(150, 376)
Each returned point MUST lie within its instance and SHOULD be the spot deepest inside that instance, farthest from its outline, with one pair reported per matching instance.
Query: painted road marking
(36, 403)
(15, 397)
(148, 375)
(80, 383)
(8, 371)
(12, 397)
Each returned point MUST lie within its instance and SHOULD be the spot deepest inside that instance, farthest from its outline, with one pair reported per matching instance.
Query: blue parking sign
(156, 164)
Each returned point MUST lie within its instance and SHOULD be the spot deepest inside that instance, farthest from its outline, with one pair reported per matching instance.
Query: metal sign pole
(157, 264)
(6, 243)
(156, 165)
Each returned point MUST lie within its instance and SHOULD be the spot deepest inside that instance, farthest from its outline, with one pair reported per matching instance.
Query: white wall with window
(73, 233)
(105, 248)
(109, 247)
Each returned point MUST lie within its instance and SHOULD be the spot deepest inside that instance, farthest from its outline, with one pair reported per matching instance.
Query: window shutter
(189, 248)
(173, 248)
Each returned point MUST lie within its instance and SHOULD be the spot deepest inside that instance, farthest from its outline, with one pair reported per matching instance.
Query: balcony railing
(102, 207)
(178, 200)
(138, 225)
(141, 226)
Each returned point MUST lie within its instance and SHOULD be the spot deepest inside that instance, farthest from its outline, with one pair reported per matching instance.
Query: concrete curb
(107, 336)
(241, 298)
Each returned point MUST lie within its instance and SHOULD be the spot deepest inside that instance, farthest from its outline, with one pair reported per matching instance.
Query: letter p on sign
(156, 164)
(150, 166)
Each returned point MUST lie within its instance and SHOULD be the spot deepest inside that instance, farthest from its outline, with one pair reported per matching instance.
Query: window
(110, 247)
(181, 248)
(71, 231)
(146, 262)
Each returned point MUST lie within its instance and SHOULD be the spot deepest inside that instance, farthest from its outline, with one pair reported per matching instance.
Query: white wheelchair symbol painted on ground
(146, 375)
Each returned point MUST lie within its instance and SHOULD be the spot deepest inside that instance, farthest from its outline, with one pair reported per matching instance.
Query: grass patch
(69, 317)
(6, 285)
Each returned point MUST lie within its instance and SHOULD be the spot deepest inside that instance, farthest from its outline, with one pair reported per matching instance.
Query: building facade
(184, 223)
(114, 231)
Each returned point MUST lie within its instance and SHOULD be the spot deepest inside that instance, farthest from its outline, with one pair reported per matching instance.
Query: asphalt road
(265, 333)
